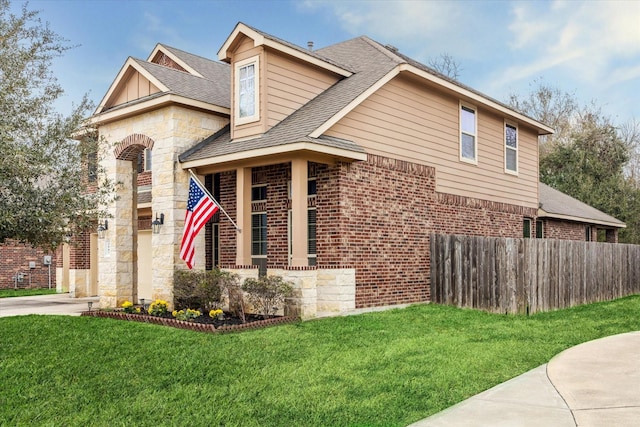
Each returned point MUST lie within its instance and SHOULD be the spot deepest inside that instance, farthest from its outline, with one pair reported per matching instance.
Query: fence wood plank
(516, 275)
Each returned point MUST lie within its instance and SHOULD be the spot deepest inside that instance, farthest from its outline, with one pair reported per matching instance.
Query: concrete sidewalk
(593, 384)
(45, 304)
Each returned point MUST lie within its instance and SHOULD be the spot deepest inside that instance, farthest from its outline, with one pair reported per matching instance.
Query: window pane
(311, 187)
(246, 84)
(512, 160)
(147, 159)
(259, 234)
(526, 229)
(468, 147)
(311, 231)
(539, 230)
(511, 136)
(468, 120)
(259, 193)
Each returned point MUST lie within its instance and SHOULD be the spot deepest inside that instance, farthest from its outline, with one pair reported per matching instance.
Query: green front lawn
(388, 368)
(6, 293)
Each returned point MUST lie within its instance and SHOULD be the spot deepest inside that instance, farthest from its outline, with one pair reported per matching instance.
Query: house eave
(250, 156)
(543, 214)
(130, 63)
(260, 40)
(153, 104)
(540, 127)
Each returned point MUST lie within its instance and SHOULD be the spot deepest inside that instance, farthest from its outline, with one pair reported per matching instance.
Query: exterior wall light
(155, 225)
(102, 229)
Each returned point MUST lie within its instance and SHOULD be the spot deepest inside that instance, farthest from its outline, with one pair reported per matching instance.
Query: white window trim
(240, 64)
(475, 136)
(517, 149)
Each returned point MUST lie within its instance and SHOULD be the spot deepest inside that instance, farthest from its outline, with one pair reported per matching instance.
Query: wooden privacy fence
(529, 275)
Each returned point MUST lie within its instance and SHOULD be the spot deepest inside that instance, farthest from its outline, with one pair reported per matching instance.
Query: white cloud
(588, 39)
(421, 28)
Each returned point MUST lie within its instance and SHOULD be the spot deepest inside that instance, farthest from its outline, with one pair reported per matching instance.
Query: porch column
(116, 251)
(299, 238)
(243, 216)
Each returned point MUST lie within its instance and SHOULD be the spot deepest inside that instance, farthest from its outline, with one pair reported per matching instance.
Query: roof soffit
(259, 39)
(129, 67)
(160, 48)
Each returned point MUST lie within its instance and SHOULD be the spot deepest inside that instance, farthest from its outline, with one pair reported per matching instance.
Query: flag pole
(193, 175)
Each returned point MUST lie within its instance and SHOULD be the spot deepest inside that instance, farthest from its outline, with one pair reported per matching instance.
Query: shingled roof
(556, 204)
(212, 86)
(367, 59)
(213, 90)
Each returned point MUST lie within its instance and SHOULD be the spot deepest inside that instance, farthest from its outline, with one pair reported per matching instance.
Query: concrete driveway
(45, 304)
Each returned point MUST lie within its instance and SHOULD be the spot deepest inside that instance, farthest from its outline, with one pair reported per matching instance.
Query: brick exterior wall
(376, 216)
(566, 230)
(15, 257)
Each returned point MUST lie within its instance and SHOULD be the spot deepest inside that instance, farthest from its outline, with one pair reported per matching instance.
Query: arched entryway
(119, 268)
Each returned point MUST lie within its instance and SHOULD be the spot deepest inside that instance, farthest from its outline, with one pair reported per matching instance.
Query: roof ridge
(384, 49)
(194, 54)
(313, 53)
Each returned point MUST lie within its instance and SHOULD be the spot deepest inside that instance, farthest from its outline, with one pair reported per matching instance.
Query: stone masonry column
(116, 250)
(169, 197)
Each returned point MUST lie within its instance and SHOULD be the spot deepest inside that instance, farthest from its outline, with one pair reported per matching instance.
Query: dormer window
(247, 86)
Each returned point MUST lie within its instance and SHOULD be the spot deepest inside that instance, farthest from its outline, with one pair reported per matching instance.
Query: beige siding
(245, 50)
(418, 123)
(135, 87)
(290, 84)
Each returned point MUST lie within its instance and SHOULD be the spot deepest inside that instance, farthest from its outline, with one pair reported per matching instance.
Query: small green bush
(203, 289)
(267, 293)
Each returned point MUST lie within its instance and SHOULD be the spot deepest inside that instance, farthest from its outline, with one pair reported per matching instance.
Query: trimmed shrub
(267, 293)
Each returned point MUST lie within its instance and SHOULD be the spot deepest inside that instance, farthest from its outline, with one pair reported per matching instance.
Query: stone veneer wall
(173, 130)
(317, 291)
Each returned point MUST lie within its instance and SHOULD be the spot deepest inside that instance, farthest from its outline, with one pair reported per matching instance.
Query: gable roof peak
(260, 38)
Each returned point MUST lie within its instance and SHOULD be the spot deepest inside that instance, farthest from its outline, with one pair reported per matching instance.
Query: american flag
(200, 207)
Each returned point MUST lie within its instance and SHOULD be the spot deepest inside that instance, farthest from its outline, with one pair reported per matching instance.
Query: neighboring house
(336, 164)
(563, 217)
(23, 266)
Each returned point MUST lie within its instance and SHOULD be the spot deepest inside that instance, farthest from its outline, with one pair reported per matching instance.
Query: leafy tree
(45, 191)
(588, 157)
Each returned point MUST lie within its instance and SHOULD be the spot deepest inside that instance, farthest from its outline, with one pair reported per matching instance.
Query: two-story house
(336, 164)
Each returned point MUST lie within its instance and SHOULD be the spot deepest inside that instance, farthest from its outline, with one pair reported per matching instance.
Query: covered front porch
(282, 206)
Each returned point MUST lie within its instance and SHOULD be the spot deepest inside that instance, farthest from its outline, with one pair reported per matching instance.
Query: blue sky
(590, 48)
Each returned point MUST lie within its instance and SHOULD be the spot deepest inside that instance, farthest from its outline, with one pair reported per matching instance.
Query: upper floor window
(247, 79)
(510, 148)
(468, 134)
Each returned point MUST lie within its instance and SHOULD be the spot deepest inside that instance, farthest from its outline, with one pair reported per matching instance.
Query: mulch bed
(200, 324)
